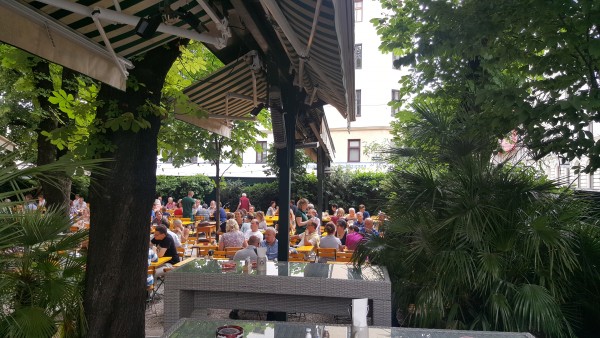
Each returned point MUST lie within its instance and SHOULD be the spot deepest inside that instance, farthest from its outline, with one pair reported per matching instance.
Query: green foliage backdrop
(178, 186)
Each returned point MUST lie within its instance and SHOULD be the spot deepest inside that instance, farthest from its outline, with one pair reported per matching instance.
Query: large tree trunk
(122, 199)
(56, 193)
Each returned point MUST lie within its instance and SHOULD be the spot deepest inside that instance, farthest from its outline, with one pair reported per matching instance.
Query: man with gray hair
(368, 228)
(270, 243)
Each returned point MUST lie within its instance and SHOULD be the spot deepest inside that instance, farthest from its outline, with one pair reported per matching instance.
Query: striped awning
(328, 63)
(232, 91)
(318, 37)
(65, 32)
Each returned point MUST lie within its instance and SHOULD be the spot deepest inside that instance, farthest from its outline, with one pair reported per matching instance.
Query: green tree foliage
(231, 192)
(41, 270)
(349, 189)
(178, 186)
(531, 65)
(473, 245)
(24, 104)
(298, 170)
(262, 194)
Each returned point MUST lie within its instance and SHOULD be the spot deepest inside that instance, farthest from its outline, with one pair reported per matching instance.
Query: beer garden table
(285, 287)
(196, 328)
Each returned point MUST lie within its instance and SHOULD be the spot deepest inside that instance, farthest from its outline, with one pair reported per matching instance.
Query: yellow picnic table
(185, 261)
(161, 261)
(304, 248)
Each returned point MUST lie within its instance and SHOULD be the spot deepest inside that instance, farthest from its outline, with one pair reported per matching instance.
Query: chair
(191, 241)
(74, 228)
(296, 257)
(180, 252)
(326, 254)
(150, 288)
(206, 230)
(343, 257)
(232, 250)
(202, 250)
(220, 254)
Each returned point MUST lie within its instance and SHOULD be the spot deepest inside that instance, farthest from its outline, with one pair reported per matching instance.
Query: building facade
(376, 86)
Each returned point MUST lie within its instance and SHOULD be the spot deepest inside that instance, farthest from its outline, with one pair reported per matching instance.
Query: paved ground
(154, 317)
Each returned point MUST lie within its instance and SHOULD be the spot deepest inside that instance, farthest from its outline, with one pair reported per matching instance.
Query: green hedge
(345, 188)
(178, 186)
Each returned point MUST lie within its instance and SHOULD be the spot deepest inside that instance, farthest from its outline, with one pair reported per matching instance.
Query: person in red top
(179, 210)
(244, 203)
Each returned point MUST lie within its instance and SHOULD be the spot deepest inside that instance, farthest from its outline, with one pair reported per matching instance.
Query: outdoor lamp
(146, 27)
(256, 110)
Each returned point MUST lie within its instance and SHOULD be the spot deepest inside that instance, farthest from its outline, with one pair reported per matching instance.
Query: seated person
(254, 231)
(339, 214)
(152, 257)
(330, 241)
(273, 209)
(310, 236)
(170, 204)
(351, 215)
(361, 208)
(360, 222)
(340, 230)
(165, 213)
(159, 219)
(249, 251)
(165, 247)
(251, 211)
(233, 237)
(204, 213)
(353, 237)
(368, 229)
(181, 232)
(270, 243)
(179, 210)
(246, 224)
(313, 214)
(262, 223)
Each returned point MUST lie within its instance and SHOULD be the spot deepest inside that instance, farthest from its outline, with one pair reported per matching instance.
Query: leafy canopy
(531, 65)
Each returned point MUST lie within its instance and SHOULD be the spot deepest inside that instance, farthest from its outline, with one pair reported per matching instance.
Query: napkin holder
(360, 309)
(261, 261)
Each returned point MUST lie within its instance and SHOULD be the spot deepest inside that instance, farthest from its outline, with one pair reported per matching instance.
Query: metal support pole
(285, 160)
(321, 159)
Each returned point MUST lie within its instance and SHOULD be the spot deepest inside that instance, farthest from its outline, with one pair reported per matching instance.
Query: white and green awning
(318, 38)
(95, 37)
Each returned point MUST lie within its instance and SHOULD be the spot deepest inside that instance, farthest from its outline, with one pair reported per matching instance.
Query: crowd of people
(247, 228)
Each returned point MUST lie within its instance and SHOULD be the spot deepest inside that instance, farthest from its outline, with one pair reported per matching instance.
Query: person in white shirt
(312, 213)
(254, 231)
(246, 224)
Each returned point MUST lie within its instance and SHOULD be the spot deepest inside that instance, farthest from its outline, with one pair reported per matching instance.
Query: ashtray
(230, 331)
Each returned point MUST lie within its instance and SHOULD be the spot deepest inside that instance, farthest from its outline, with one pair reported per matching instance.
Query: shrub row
(345, 188)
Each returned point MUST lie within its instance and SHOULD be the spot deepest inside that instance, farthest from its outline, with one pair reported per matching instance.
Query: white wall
(375, 80)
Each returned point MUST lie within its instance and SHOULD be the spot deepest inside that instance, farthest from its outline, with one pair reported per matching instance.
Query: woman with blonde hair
(233, 237)
(339, 214)
(262, 223)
